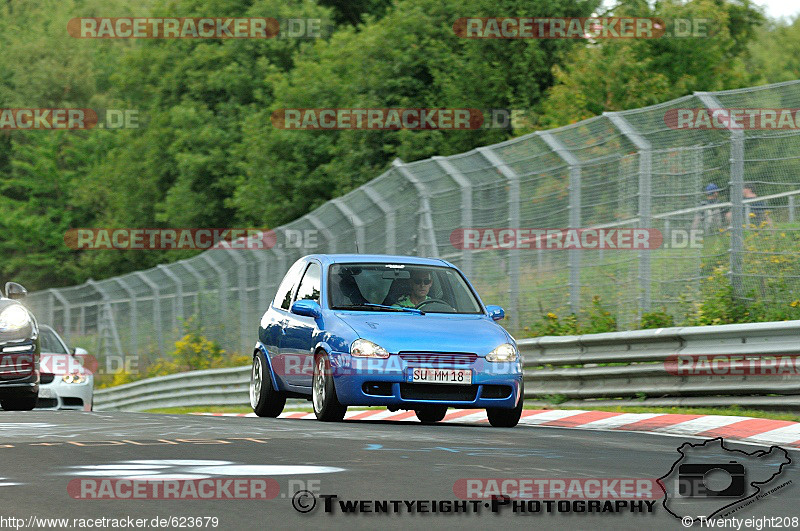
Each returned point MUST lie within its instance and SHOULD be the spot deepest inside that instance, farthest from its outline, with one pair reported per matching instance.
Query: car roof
(377, 258)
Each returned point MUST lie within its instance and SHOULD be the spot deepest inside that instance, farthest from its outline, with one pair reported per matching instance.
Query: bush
(717, 304)
(658, 319)
(192, 352)
(597, 320)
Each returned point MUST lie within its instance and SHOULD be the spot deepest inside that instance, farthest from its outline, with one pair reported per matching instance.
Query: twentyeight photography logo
(709, 478)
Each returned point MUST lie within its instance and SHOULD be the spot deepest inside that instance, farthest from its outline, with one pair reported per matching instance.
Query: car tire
(22, 402)
(431, 414)
(507, 418)
(327, 407)
(264, 399)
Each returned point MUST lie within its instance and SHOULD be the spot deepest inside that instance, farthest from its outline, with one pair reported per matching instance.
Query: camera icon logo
(724, 480)
(709, 478)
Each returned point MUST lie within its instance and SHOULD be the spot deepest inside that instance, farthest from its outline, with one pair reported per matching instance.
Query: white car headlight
(74, 378)
(367, 349)
(505, 352)
(14, 317)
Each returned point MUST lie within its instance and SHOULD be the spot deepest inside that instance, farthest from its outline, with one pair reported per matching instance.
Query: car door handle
(282, 324)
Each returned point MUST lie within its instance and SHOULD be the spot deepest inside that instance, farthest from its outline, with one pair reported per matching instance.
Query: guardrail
(211, 387)
(613, 369)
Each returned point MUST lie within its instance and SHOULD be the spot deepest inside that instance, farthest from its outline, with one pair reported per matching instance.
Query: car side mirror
(308, 308)
(78, 351)
(496, 312)
(15, 291)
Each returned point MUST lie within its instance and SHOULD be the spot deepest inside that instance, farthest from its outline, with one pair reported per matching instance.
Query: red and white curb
(746, 429)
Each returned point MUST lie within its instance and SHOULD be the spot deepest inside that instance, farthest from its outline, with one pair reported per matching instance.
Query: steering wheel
(428, 301)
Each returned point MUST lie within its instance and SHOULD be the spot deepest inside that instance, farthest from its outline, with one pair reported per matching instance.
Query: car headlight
(367, 349)
(14, 317)
(74, 378)
(505, 352)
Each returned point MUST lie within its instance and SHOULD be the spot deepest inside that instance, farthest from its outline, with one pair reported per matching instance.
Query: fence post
(645, 202)
(50, 308)
(134, 328)
(426, 220)
(111, 326)
(388, 213)
(465, 186)
(355, 221)
(324, 230)
(241, 269)
(64, 304)
(282, 266)
(574, 207)
(223, 290)
(156, 308)
(736, 186)
(178, 308)
(261, 275)
(513, 223)
(200, 284)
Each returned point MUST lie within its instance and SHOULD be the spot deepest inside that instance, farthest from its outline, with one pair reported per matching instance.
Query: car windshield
(395, 287)
(50, 343)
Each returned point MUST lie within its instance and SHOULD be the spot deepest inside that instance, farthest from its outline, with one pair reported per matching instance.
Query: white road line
(619, 420)
(701, 424)
(547, 416)
(380, 415)
(473, 417)
(786, 434)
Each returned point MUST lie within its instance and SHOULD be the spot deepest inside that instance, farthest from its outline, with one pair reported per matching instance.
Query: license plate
(446, 376)
(46, 393)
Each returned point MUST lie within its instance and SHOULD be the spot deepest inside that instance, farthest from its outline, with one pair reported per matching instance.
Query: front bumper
(386, 382)
(19, 365)
(60, 395)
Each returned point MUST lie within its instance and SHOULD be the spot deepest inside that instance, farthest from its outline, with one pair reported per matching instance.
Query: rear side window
(283, 298)
(310, 285)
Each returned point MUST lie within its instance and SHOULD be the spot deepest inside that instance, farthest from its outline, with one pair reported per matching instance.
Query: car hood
(398, 332)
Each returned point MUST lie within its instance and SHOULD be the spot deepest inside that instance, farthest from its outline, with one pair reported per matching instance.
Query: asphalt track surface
(43, 450)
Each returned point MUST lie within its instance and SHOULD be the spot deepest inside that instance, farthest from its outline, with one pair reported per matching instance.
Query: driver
(420, 286)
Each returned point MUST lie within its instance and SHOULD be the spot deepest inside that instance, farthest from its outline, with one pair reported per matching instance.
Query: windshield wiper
(383, 307)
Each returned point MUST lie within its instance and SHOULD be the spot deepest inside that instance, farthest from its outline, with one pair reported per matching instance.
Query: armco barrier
(611, 369)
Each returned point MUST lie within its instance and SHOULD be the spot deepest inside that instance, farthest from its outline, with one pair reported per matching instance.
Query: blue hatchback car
(378, 330)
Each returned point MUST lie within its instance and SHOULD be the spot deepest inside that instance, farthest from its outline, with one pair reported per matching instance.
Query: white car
(65, 382)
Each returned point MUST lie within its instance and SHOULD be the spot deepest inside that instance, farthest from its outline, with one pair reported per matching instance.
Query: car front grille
(46, 403)
(496, 391)
(439, 358)
(421, 391)
(70, 401)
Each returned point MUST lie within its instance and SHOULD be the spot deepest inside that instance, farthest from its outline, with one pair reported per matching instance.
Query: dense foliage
(207, 154)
